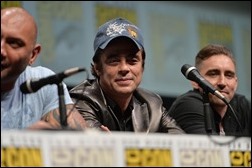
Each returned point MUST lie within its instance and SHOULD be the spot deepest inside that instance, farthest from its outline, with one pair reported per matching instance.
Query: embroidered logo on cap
(116, 29)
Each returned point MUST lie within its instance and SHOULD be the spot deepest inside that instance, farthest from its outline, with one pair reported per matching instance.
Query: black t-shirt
(188, 111)
(123, 118)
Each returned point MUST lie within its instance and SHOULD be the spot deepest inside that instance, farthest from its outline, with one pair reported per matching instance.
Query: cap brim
(104, 45)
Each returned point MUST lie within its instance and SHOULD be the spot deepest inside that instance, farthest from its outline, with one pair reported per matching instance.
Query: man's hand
(104, 128)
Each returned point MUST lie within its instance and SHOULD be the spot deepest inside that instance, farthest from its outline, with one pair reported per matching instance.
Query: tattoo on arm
(74, 118)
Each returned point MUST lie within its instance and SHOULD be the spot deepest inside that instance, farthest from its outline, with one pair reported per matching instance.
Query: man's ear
(97, 70)
(236, 80)
(35, 52)
(194, 85)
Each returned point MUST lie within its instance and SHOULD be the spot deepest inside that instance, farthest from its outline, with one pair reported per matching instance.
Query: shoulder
(190, 95)
(146, 96)
(85, 86)
(238, 96)
(190, 100)
(239, 100)
(146, 93)
(87, 90)
(38, 72)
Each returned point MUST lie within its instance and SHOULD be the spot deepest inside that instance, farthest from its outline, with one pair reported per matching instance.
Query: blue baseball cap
(114, 28)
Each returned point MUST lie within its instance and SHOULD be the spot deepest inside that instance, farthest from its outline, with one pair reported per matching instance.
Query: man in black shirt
(217, 65)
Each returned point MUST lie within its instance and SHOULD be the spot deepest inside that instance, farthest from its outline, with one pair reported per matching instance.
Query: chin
(125, 91)
(219, 102)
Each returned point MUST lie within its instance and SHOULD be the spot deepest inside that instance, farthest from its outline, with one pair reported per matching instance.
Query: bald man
(19, 50)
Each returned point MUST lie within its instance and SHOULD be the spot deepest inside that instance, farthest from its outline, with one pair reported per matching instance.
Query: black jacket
(188, 111)
(148, 114)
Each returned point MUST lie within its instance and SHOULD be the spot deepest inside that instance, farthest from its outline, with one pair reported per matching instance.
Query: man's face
(17, 41)
(220, 71)
(121, 68)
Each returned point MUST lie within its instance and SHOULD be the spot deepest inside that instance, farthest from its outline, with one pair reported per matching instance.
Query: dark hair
(211, 50)
(97, 60)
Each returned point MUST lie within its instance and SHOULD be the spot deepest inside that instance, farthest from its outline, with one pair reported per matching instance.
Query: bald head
(18, 19)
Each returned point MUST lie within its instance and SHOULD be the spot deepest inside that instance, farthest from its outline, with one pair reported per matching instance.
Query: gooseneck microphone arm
(62, 106)
(207, 113)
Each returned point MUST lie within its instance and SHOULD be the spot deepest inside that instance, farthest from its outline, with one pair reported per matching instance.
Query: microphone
(193, 74)
(33, 85)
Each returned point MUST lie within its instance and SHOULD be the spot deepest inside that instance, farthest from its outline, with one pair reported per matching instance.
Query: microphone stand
(62, 106)
(207, 113)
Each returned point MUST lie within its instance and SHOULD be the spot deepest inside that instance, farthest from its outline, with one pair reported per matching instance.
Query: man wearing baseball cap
(113, 101)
